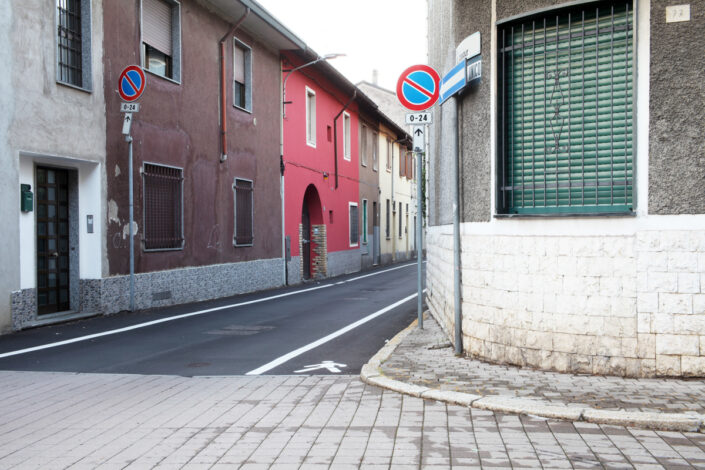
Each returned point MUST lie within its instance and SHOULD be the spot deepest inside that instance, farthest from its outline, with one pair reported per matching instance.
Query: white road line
(185, 315)
(287, 357)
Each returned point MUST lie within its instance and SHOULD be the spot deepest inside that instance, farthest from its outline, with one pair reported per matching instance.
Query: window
(346, 136)
(375, 151)
(565, 121)
(400, 225)
(364, 221)
(163, 207)
(73, 53)
(161, 38)
(354, 224)
(364, 145)
(409, 165)
(387, 226)
(402, 163)
(390, 154)
(242, 76)
(310, 117)
(244, 212)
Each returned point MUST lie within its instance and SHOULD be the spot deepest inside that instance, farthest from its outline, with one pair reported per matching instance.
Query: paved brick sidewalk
(88, 421)
(414, 362)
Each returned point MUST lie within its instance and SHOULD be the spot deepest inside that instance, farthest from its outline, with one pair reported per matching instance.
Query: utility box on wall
(26, 198)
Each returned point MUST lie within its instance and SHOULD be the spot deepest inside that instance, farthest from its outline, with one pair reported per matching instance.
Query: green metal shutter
(566, 112)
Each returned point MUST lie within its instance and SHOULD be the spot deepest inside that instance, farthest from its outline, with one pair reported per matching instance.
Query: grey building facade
(581, 175)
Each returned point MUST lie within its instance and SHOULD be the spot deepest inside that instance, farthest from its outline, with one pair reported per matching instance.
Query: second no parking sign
(417, 87)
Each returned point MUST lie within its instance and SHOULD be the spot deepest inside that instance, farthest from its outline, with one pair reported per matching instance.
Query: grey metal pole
(456, 233)
(419, 234)
(128, 138)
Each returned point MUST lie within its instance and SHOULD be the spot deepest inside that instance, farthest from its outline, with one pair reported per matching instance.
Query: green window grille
(565, 120)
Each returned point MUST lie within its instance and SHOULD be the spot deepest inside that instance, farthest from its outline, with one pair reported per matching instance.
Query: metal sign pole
(131, 86)
(419, 233)
(128, 138)
(419, 138)
(456, 233)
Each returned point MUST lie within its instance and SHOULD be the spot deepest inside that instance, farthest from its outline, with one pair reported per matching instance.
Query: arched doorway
(312, 235)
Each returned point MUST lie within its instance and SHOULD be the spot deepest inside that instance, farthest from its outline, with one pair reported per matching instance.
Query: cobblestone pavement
(413, 362)
(87, 421)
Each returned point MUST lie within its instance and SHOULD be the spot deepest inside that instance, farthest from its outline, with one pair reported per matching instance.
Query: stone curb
(372, 375)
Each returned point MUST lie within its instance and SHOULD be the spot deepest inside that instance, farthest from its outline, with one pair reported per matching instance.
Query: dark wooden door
(306, 241)
(53, 271)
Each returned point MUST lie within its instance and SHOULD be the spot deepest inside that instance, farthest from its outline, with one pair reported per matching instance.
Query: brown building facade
(207, 205)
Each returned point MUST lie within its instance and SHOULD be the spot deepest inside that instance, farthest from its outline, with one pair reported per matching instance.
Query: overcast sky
(387, 35)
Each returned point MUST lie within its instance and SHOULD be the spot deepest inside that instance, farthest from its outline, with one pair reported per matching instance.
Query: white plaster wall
(51, 118)
(9, 190)
(89, 202)
(52, 124)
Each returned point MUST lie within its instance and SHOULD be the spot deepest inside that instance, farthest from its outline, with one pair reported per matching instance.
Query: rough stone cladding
(160, 288)
(617, 305)
(178, 286)
(343, 262)
(676, 112)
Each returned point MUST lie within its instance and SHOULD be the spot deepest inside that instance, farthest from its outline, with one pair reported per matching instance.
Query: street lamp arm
(319, 59)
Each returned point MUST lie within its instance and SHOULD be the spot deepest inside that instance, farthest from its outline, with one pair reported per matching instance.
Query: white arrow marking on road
(330, 365)
(287, 357)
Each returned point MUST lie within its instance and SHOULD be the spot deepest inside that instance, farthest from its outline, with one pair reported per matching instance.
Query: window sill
(155, 250)
(560, 215)
(69, 85)
(248, 111)
(175, 82)
(311, 144)
(242, 245)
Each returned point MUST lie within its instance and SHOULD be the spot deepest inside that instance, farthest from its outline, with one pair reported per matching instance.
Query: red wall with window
(307, 165)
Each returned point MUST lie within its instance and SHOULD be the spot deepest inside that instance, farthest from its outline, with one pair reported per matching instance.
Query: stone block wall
(159, 289)
(631, 305)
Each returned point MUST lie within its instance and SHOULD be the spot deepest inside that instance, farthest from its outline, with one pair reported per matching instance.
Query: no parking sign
(417, 87)
(131, 83)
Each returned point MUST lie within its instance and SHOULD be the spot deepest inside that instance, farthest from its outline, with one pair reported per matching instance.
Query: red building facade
(320, 130)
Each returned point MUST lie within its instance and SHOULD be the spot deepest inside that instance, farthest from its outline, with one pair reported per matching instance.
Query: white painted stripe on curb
(287, 357)
(185, 315)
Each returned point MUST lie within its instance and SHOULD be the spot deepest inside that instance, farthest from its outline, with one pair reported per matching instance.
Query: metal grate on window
(163, 207)
(565, 121)
(244, 212)
(70, 42)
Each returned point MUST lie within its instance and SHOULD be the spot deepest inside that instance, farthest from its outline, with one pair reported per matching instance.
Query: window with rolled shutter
(565, 122)
(156, 25)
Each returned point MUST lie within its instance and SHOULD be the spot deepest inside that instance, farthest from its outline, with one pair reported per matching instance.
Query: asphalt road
(277, 332)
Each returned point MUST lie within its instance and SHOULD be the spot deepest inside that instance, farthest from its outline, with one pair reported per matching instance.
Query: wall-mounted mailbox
(26, 198)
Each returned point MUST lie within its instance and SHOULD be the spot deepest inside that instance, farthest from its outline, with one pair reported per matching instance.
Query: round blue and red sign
(418, 87)
(131, 83)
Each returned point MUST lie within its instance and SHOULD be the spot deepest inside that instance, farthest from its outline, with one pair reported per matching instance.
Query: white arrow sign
(127, 124)
(418, 135)
(330, 365)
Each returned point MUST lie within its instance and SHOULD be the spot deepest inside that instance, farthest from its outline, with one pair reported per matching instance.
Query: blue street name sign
(459, 77)
(453, 82)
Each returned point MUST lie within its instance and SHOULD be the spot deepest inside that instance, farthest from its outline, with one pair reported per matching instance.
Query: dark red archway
(311, 222)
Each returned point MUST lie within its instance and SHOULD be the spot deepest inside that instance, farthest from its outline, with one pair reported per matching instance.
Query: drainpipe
(223, 91)
(335, 135)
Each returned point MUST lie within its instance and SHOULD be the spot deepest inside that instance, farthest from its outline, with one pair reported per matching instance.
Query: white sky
(387, 35)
